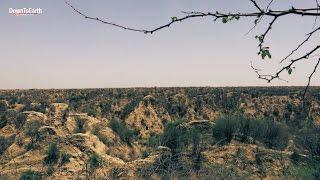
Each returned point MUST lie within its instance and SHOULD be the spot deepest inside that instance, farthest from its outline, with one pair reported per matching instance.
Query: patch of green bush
(273, 134)
(65, 157)
(3, 144)
(122, 130)
(3, 121)
(154, 140)
(50, 170)
(145, 154)
(30, 175)
(309, 138)
(6, 142)
(309, 170)
(32, 129)
(175, 137)
(80, 125)
(52, 154)
(20, 120)
(226, 127)
(31, 145)
(95, 160)
(96, 130)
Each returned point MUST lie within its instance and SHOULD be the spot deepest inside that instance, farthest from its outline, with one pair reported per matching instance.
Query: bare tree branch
(258, 14)
(301, 44)
(309, 78)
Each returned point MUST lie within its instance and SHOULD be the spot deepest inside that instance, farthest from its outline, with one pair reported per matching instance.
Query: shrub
(91, 111)
(6, 142)
(32, 129)
(154, 141)
(20, 141)
(20, 120)
(309, 138)
(225, 128)
(65, 157)
(50, 170)
(31, 145)
(3, 144)
(95, 160)
(30, 175)
(273, 134)
(128, 109)
(52, 154)
(174, 137)
(295, 157)
(80, 125)
(145, 154)
(3, 121)
(96, 130)
(3, 105)
(121, 129)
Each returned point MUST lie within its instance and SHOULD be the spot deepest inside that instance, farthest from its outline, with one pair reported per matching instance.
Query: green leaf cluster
(265, 52)
(230, 18)
(289, 70)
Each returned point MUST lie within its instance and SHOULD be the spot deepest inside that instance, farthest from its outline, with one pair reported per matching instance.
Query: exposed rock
(36, 116)
(8, 130)
(74, 119)
(145, 118)
(47, 130)
(58, 107)
(87, 142)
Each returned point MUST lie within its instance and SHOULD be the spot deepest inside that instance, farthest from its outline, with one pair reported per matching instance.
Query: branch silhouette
(258, 14)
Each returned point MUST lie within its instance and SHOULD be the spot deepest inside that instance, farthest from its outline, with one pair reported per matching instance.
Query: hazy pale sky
(60, 49)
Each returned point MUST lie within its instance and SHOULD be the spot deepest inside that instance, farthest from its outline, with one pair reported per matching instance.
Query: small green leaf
(174, 18)
(237, 17)
(289, 69)
(225, 19)
(264, 52)
(260, 38)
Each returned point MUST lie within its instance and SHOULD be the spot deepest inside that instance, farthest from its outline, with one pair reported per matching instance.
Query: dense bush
(96, 130)
(273, 134)
(65, 157)
(32, 129)
(128, 109)
(3, 144)
(52, 154)
(30, 175)
(6, 142)
(174, 137)
(3, 105)
(95, 161)
(154, 140)
(121, 129)
(50, 170)
(309, 138)
(20, 120)
(80, 125)
(3, 121)
(226, 127)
